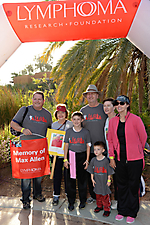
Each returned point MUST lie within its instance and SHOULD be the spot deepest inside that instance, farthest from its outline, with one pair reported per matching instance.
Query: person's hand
(86, 164)
(66, 164)
(27, 132)
(108, 183)
(146, 151)
(94, 182)
(112, 163)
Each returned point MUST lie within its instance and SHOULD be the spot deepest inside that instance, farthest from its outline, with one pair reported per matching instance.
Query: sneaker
(119, 217)
(90, 200)
(82, 206)
(130, 219)
(29, 199)
(97, 209)
(106, 213)
(39, 198)
(114, 205)
(26, 205)
(55, 201)
(70, 207)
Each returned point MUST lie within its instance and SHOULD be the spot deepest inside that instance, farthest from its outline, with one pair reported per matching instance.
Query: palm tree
(116, 66)
(30, 69)
(43, 66)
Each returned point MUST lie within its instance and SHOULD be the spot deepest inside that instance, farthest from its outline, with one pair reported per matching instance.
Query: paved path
(11, 213)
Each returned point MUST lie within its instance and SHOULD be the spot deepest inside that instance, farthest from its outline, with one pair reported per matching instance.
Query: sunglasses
(119, 103)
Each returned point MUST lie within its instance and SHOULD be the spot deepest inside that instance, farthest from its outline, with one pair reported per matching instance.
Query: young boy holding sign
(76, 160)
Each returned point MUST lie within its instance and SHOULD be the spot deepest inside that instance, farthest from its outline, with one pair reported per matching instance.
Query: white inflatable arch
(74, 20)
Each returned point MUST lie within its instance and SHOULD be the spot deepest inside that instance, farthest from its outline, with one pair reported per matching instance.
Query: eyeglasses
(119, 103)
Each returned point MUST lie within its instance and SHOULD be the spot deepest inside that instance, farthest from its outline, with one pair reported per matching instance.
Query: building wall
(27, 79)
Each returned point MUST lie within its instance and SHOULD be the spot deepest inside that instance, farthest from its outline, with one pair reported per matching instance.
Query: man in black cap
(94, 121)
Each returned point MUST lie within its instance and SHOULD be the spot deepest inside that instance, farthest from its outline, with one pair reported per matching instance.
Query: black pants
(58, 175)
(128, 182)
(115, 182)
(81, 177)
(90, 184)
(115, 187)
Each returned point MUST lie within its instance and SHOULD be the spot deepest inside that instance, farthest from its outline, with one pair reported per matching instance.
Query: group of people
(102, 143)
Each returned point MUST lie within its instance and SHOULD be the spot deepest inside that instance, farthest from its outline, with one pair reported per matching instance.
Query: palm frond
(47, 51)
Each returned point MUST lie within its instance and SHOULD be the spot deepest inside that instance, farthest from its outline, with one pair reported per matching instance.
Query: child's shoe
(55, 201)
(82, 206)
(114, 205)
(97, 209)
(90, 200)
(106, 213)
(71, 207)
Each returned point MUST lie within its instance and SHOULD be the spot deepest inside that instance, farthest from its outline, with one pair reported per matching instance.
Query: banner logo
(71, 20)
(32, 170)
(84, 9)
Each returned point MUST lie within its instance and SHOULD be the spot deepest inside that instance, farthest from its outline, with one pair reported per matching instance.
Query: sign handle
(53, 167)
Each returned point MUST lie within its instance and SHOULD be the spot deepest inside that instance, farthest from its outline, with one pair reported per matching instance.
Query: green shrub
(5, 137)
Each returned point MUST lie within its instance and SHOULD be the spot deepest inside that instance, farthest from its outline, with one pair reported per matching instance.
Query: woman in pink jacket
(127, 136)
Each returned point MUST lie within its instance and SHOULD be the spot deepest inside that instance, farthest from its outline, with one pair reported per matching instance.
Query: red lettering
(76, 140)
(100, 170)
(94, 117)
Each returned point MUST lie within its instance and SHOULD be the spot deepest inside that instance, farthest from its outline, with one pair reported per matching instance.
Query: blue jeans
(26, 188)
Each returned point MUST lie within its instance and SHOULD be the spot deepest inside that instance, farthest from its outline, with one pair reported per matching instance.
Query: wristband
(65, 160)
(22, 130)
(109, 181)
(111, 157)
(87, 161)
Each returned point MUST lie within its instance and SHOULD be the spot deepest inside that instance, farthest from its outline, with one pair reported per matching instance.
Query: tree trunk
(141, 83)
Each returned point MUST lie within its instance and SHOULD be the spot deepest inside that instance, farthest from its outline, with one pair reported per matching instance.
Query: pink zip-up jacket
(135, 135)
